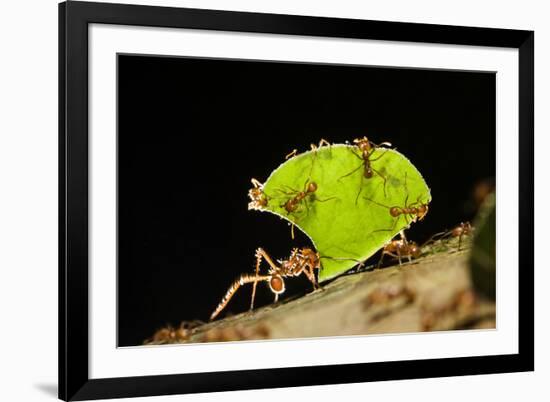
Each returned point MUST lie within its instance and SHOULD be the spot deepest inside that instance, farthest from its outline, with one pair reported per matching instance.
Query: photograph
(267, 200)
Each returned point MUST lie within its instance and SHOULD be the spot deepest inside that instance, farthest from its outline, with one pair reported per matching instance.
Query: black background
(192, 132)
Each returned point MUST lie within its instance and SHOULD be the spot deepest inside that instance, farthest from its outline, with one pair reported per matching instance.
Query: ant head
(414, 250)
(312, 256)
(312, 187)
(277, 284)
(362, 143)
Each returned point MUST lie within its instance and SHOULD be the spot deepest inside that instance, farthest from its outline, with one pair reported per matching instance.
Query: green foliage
(347, 218)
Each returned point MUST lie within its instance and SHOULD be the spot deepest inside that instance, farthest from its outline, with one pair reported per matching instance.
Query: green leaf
(347, 218)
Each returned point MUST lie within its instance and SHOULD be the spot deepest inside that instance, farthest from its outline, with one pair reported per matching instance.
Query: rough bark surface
(429, 294)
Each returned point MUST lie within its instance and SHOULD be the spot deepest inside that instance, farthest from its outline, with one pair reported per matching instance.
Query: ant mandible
(301, 261)
(367, 148)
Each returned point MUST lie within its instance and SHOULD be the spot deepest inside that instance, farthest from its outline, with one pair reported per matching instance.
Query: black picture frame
(74, 381)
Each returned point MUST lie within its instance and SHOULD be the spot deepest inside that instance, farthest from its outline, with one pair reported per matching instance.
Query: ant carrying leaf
(301, 261)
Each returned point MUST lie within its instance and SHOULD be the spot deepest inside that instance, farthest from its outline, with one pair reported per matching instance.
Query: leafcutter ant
(170, 334)
(367, 148)
(400, 248)
(258, 199)
(299, 198)
(461, 230)
(411, 212)
(301, 261)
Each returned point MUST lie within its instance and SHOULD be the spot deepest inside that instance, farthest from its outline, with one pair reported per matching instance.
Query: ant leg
(383, 178)
(388, 230)
(256, 183)
(260, 254)
(258, 262)
(385, 144)
(243, 279)
(352, 172)
(360, 189)
(325, 199)
(460, 241)
(377, 203)
(311, 276)
(306, 204)
(291, 154)
(379, 157)
(381, 258)
(292, 191)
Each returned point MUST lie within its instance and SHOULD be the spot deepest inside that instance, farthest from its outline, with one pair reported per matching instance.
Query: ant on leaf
(413, 212)
(301, 198)
(258, 199)
(367, 148)
(400, 248)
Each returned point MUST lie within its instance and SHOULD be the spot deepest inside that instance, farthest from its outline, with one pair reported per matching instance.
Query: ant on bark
(461, 230)
(367, 148)
(301, 261)
(400, 248)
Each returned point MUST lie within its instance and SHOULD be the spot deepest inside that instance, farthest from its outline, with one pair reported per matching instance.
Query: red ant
(299, 198)
(257, 196)
(367, 148)
(170, 334)
(400, 248)
(415, 211)
(301, 261)
(463, 229)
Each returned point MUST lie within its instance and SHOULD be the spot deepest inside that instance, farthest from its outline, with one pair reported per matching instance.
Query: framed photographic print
(256, 200)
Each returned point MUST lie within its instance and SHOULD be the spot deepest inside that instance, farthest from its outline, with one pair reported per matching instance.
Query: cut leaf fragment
(325, 193)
